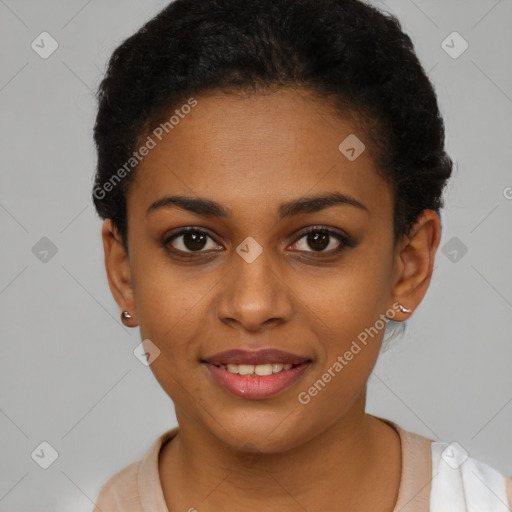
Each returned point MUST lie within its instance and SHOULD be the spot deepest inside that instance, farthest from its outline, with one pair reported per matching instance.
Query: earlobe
(415, 260)
(118, 270)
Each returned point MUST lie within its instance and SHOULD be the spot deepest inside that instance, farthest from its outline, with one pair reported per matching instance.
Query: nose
(254, 295)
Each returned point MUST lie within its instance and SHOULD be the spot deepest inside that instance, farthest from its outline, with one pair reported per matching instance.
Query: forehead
(240, 150)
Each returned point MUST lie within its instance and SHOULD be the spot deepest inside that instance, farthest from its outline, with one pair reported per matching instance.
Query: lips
(254, 357)
(254, 387)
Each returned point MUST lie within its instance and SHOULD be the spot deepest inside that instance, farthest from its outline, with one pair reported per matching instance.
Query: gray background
(68, 375)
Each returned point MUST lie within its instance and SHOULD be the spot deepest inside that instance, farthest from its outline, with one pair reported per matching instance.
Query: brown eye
(189, 241)
(320, 239)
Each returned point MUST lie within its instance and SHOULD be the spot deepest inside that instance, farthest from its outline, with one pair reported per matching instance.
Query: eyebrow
(209, 208)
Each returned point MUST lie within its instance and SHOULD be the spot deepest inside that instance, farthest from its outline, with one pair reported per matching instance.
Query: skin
(250, 155)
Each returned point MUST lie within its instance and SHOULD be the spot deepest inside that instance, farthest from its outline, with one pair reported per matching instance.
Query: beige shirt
(137, 487)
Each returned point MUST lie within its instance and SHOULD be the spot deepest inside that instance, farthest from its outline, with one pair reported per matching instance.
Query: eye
(319, 238)
(189, 240)
(192, 240)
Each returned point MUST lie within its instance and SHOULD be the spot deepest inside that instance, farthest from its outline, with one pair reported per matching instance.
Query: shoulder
(120, 492)
(458, 477)
(439, 476)
(137, 486)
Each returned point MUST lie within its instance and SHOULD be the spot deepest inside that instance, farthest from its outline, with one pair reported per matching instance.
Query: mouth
(256, 374)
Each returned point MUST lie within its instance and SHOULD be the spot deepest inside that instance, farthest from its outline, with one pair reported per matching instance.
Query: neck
(343, 462)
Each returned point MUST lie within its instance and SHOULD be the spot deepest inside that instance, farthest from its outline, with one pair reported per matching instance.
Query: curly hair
(345, 52)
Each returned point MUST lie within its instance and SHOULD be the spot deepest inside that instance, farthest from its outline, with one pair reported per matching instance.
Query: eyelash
(344, 241)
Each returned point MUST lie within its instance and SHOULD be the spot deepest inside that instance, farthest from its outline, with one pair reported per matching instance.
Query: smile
(256, 381)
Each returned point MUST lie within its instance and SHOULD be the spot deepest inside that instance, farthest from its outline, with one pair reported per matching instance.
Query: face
(275, 270)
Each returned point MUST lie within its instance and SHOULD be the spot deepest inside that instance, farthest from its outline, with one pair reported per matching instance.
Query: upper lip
(261, 356)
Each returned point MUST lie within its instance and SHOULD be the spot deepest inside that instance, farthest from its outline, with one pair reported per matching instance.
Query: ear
(117, 266)
(414, 261)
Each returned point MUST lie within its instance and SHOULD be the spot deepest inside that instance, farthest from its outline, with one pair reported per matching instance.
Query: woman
(271, 174)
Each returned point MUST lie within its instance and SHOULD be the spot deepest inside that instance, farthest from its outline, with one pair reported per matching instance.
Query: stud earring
(126, 316)
(404, 310)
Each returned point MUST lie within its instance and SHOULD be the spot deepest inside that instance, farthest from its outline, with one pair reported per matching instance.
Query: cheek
(175, 310)
(350, 297)
(346, 308)
(167, 295)
(347, 321)
(170, 312)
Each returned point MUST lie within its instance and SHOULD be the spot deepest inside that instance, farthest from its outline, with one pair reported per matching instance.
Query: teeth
(258, 369)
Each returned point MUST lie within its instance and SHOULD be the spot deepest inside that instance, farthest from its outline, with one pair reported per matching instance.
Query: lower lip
(256, 386)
